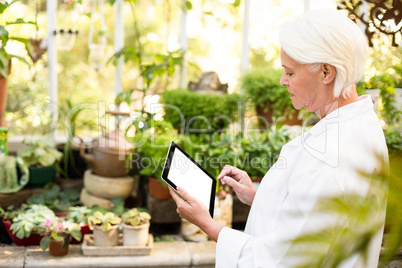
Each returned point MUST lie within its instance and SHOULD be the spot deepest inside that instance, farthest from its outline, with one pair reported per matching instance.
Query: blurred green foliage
(191, 112)
(262, 88)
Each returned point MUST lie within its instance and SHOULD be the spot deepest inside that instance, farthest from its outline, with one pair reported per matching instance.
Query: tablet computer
(183, 171)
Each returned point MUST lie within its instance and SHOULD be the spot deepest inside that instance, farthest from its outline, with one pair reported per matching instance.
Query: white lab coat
(322, 162)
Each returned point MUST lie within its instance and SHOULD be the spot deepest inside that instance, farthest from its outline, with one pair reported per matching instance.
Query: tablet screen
(183, 171)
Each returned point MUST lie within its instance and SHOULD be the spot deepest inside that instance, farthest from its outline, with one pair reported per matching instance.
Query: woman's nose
(283, 81)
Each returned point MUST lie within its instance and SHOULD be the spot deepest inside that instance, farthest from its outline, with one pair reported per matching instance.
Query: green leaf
(236, 3)
(20, 21)
(44, 242)
(20, 233)
(20, 59)
(189, 5)
(2, 8)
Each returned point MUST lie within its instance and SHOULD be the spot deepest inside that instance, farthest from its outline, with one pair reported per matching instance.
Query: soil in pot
(135, 235)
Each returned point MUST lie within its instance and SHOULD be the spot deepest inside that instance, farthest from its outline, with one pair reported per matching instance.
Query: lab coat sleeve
(229, 247)
(238, 249)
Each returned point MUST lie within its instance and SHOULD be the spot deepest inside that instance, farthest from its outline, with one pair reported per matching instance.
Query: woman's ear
(329, 72)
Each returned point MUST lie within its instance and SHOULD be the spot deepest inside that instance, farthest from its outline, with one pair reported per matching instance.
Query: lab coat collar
(342, 114)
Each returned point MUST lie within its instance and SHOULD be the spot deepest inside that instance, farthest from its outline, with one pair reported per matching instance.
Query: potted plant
(24, 227)
(5, 57)
(42, 158)
(57, 234)
(80, 216)
(153, 154)
(135, 227)
(105, 228)
(271, 100)
(7, 215)
(55, 198)
(73, 164)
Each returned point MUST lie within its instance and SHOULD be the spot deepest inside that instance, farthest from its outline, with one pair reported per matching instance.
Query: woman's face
(306, 88)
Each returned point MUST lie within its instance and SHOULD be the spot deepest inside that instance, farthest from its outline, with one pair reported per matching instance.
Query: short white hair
(327, 36)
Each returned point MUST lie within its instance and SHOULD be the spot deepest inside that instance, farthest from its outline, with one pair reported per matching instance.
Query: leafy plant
(41, 152)
(59, 230)
(11, 211)
(205, 113)
(151, 67)
(5, 37)
(79, 214)
(386, 83)
(55, 198)
(393, 137)
(135, 217)
(70, 113)
(262, 88)
(153, 152)
(104, 221)
(31, 220)
(259, 151)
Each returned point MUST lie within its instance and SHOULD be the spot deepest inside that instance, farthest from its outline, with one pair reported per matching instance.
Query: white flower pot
(135, 235)
(106, 239)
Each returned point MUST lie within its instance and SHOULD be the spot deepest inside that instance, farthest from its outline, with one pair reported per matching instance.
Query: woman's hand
(195, 212)
(240, 183)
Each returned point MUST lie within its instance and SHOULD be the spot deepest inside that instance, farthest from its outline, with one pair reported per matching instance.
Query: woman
(323, 55)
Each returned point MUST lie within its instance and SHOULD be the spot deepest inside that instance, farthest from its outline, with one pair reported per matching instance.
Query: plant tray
(89, 249)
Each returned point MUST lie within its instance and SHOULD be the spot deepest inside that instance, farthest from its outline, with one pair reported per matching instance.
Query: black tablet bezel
(173, 146)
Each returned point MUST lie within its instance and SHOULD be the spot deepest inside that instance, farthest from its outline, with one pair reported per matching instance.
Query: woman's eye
(289, 74)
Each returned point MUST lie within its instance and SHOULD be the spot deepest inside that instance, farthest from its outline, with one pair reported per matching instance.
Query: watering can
(14, 174)
(108, 157)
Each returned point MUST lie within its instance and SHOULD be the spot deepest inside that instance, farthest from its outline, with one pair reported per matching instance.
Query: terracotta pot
(59, 248)
(108, 158)
(135, 235)
(106, 239)
(158, 190)
(32, 240)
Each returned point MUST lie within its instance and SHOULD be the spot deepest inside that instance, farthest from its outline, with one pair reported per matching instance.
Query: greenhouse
(229, 133)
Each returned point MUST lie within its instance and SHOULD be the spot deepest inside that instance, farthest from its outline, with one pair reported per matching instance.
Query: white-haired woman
(323, 55)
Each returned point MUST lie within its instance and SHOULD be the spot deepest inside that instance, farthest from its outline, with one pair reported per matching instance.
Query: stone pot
(135, 235)
(106, 187)
(108, 158)
(90, 200)
(106, 239)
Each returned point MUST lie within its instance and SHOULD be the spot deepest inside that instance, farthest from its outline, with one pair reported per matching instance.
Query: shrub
(206, 112)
